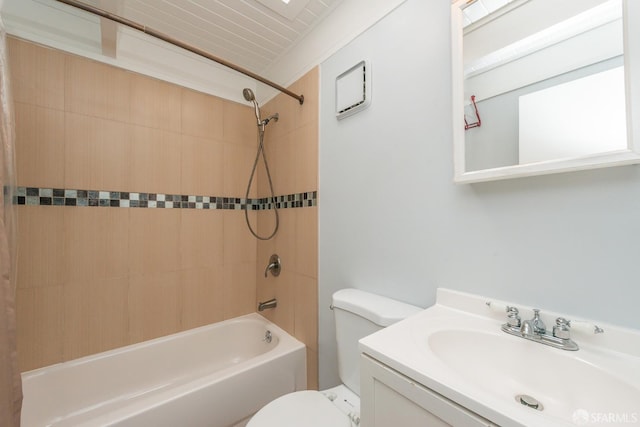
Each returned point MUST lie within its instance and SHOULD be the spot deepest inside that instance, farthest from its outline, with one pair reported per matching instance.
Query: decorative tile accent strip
(36, 196)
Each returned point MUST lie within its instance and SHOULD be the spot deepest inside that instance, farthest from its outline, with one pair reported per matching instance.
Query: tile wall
(96, 278)
(291, 146)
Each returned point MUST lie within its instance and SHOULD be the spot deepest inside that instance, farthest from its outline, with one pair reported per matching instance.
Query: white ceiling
(245, 32)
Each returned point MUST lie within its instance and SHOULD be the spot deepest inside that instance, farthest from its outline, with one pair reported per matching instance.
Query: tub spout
(272, 303)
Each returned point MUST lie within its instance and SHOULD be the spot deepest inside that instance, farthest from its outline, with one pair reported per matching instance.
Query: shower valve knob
(274, 266)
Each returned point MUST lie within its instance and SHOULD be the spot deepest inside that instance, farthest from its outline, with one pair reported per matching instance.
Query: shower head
(249, 96)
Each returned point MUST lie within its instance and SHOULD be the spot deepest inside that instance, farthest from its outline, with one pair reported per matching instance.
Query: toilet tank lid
(380, 310)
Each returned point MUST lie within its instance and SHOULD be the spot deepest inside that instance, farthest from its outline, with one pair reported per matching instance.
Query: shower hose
(273, 197)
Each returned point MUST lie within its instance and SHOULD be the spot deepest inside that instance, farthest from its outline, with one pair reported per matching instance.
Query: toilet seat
(307, 408)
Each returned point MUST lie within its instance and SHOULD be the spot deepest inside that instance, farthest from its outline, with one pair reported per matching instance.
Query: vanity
(454, 365)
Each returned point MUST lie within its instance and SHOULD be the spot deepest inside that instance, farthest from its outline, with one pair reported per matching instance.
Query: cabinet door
(389, 399)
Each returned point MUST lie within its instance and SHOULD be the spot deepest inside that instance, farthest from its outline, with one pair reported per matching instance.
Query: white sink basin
(456, 348)
(506, 366)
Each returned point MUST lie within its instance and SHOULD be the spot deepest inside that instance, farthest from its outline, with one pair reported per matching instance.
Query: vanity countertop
(457, 349)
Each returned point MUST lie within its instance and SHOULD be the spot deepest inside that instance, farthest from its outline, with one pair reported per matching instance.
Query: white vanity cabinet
(390, 399)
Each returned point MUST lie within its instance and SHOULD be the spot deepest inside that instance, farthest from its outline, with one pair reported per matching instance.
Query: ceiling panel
(204, 31)
(201, 38)
(241, 31)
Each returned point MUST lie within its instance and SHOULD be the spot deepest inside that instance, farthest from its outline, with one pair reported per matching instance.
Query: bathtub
(215, 376)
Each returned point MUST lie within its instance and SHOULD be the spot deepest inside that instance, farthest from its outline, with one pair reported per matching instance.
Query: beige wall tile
(95, 316)
(202, 166)
(286, 156)
(305, 290)
(39, 313)
(83, 249)
(154, 103)
(304, 143)
(96, 89)
(154, 241)
(40, 146)
(115, 234)
(202, 296)
(239, 245)
(201, 239)
(202, 114)
(155, 302)
(286, 108)
(291, 147)
(97, 153)
(116, 276)
(155, 161)
(37, 74)
(308, 85)
(263, 223)
(40, 246)
(281, 166)
(279, 288)
(239, 289)
(312, 369)
(307, 241)
(238, 163)
(240, 124)
(265, 290)
(96, 243)
(283, 242)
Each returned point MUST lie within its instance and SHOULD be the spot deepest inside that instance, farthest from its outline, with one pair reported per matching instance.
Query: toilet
(357, 314)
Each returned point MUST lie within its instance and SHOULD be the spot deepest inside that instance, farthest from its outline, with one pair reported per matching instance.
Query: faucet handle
(562, 329)
(274, 266)
(513, 317)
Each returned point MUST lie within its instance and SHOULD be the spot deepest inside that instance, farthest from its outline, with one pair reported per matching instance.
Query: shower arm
(135, 25)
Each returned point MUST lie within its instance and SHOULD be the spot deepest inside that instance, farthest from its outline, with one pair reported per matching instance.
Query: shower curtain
(10, 380)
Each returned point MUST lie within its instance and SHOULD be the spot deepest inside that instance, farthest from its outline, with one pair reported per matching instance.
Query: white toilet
(357, 314)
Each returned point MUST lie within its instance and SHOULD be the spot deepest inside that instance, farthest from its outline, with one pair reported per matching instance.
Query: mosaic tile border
(36, 196)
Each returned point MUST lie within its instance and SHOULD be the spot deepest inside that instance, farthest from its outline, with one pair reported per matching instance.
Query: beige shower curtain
(10, 380)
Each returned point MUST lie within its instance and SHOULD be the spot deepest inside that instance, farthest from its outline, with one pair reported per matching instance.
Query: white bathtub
(215, 376)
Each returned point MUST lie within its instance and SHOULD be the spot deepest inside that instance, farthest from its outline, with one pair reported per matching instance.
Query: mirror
(544, 86)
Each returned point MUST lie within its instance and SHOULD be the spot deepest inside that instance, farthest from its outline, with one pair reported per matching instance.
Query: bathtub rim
(288, 347)
(285, 338)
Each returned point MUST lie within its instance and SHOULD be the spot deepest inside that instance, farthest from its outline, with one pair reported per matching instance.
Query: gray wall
(392, 221)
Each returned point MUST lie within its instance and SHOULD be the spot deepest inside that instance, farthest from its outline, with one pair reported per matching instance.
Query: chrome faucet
(535, 329)
(535, 326)
(272, 303)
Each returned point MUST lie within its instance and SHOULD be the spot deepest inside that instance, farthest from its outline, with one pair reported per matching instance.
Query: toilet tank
(358, 314)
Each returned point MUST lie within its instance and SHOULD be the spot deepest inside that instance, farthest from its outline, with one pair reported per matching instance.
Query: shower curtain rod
(175, 42)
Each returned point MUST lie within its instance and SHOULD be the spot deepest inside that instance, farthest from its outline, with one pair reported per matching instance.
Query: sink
(457, 349)
(506, 366)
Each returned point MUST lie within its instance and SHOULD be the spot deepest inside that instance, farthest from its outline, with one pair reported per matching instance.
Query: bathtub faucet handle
(274, 266)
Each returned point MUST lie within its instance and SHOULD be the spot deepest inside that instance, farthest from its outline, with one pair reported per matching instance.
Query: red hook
(478, 122)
